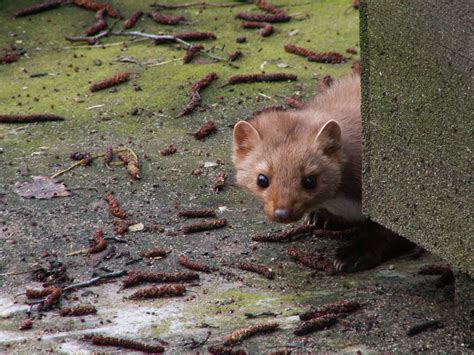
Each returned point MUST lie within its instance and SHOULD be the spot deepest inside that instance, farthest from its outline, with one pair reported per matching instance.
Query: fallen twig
(95, 280)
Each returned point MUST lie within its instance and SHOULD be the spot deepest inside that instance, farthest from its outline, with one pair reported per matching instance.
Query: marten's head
(289, 162)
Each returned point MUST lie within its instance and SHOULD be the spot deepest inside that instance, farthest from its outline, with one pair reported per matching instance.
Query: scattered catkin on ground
(9, 57)
(99, 242)
(169, 151)
(132, 20)
(29, 118)
(109, 82)
(155, 252)
(265, 6)
(205, 130)
(244, 333)
(204, 226)
(37, 8)
(166, 19)
(170, 290)
(126, 344)
(258, 269)
(316, 262)
(265, 29)
(99, 25)
(138, 277)
(336, 308)
(25, 324)
(193, 265)
(52, 298)
(95, 6)
(260, 78)
(114, 207)
(320, 57)
(277, 237)
(316, 324)
(191, 52)
(80, 310)
(247, 16)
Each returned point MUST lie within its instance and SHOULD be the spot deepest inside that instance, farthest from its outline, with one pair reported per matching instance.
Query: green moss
(71, 70)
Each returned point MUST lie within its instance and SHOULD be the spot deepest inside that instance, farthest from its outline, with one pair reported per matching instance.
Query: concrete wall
(417, 58)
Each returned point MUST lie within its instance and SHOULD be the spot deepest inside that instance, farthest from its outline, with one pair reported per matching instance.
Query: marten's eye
(262, 181)
(309, 182)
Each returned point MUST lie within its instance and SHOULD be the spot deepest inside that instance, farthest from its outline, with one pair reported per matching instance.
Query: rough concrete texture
(35, 233)
(417, 121)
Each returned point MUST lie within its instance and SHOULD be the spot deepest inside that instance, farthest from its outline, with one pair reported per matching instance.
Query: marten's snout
(284, 215)
(281, 213)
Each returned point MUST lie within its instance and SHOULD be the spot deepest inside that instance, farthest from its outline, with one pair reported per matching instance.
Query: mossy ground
(58, 226)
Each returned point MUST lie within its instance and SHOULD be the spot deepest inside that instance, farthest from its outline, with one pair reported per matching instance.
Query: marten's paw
(354, 258)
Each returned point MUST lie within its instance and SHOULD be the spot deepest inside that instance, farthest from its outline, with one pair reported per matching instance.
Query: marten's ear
(246, 137)
(329, 138)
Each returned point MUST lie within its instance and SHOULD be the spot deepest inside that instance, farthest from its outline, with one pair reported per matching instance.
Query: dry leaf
(42, 188)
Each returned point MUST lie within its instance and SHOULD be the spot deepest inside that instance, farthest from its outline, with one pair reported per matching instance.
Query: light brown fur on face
(323, 139)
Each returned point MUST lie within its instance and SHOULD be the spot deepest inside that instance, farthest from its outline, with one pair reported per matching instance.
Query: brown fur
(286, 146)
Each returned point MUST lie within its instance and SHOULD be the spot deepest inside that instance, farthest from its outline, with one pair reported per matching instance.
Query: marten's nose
(281, 213)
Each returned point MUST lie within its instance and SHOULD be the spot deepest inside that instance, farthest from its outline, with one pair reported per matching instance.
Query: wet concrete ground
(37, 232)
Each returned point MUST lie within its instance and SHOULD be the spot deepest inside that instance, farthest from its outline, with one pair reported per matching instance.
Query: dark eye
(262, 181)
(309, 182)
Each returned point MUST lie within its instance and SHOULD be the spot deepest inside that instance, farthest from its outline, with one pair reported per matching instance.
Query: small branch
(151, 36)
(95, 280)
(77, 252)
(19, 272)
(113, 44)
(95, 156)
(193, 4)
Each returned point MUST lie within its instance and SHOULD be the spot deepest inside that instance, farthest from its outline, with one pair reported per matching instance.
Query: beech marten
(308, 162)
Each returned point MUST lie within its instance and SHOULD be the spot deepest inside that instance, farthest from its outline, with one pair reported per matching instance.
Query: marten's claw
(350, 259)
(311, 218)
